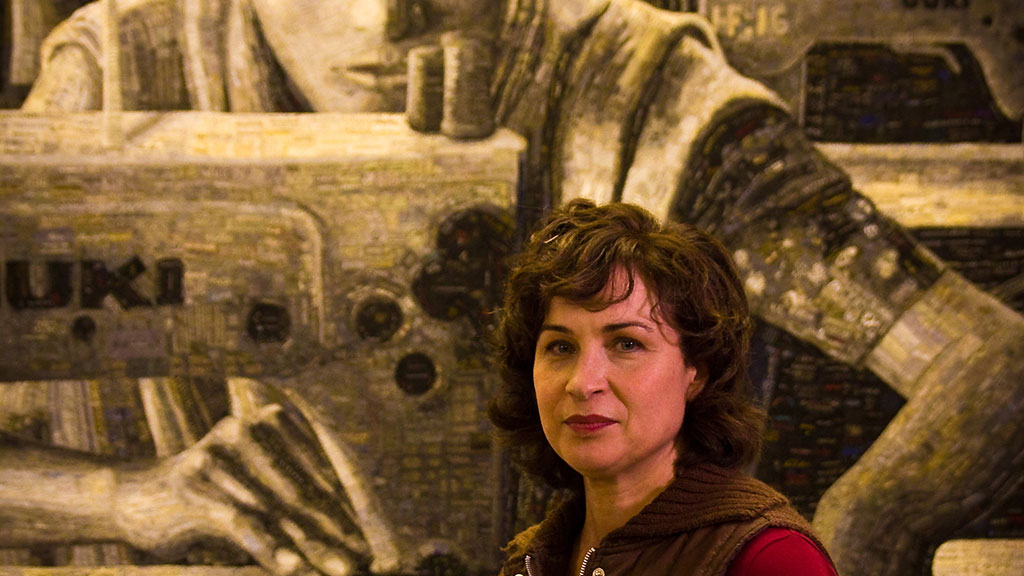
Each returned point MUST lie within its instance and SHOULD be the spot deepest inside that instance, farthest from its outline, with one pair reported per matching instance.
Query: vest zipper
(586, 558)
(528, 560)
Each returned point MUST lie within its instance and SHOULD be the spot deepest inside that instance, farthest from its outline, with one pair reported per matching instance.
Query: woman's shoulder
(778, 552)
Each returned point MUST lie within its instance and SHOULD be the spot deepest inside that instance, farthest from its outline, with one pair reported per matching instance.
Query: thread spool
(468, 66)
(425, 96)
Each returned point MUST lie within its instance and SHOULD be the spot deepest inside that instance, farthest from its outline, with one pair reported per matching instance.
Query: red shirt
(780, 552)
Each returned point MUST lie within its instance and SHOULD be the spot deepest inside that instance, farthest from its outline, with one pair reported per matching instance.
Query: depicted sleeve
(780, 552)
(72, 56)
(71, 74)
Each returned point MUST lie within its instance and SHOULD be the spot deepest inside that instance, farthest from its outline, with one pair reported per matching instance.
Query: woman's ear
(700, 378)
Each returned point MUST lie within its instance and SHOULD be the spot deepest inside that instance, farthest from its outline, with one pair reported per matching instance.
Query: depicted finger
(215, 472)
(235, 488)
(295, 431)
(222, 507)
(249, 396)
(238, 450)
(376, 531)
(269, 547)
(286, 430)
(250, 523)
(214, 462)
(342, 556)
(326, 501)
(252, 467)
(192, 463)
(332, 560)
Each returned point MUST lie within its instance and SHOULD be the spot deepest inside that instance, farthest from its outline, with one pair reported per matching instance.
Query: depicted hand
(262, 484)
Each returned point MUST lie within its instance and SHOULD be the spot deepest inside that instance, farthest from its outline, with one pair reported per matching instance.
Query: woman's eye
(559, 348)
(628, 345)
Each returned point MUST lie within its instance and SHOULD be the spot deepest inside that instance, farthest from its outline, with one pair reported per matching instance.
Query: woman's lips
(586, 424)
(376, 75)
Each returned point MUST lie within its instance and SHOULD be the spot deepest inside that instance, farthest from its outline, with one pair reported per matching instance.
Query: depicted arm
(262, 485)
(72, 82)
(821, 262)
(151, 60)
(54, 496)
(70, 77)
(640, 105)
(953, 453)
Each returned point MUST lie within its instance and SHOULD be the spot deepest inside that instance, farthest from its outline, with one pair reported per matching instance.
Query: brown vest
(697, 526)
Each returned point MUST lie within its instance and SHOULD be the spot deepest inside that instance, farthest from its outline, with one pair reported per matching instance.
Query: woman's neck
(613, 502)
(609, 505)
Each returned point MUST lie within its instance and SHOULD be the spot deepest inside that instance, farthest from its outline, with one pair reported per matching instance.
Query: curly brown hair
(698, 292)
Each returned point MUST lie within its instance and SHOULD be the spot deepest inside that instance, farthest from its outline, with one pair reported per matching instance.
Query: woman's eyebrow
(606, 329)
(622, 325)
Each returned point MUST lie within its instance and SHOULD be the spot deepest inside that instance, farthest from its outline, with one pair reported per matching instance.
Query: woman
(623, 349)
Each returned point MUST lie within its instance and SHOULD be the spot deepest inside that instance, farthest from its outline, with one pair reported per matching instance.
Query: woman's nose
(589, 374)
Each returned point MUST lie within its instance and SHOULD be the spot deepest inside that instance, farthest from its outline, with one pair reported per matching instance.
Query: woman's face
(612, 387)
(350, 55)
